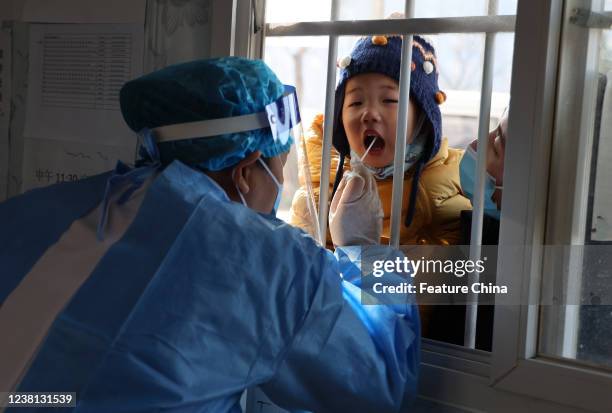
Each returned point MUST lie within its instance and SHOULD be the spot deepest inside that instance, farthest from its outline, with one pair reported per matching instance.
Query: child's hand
(355, 214)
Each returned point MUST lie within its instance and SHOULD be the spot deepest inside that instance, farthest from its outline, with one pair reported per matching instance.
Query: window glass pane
(507, 6)
(378, 9)
(461, 59)
(595, 319)
(578, 325)
(605, 62)
(302, 61)
(319, 10)
(285, 11)
(450, 8)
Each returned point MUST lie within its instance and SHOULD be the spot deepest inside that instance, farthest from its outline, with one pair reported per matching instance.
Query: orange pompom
(379, 40)
(440, 97)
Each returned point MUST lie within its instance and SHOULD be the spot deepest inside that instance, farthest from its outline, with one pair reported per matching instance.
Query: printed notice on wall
(84, 11)
(50, 162)
(75, 74)
(5, 107)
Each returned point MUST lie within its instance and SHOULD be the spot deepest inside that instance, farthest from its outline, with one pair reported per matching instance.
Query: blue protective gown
(198, 300)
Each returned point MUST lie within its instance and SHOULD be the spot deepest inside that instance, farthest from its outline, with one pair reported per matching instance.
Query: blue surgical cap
(203, 90)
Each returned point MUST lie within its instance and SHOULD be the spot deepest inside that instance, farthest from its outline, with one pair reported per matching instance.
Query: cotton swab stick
(368, 150)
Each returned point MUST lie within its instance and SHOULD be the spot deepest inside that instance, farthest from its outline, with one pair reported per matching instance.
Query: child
(366, 115)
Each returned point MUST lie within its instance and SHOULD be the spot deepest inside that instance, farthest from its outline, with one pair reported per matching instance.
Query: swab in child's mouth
(368, 150)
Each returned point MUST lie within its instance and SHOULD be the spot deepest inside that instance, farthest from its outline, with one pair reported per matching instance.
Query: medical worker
(171, 286)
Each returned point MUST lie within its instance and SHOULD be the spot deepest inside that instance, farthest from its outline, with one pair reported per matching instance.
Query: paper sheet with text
(75, 74)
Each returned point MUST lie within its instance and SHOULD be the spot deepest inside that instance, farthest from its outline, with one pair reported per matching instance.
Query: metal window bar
(490, 25)
(400, 136)
(590, 19)
(328, 124)
(470, 24)
(471, 311)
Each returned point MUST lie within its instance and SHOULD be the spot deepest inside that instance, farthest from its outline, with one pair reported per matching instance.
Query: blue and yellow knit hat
(205, 90)
(382, 54)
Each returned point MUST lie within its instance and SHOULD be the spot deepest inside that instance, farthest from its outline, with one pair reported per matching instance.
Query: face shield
(298, 205)
(285, 123)
(282, 117)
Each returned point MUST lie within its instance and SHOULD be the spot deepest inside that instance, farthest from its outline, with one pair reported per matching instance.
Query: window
(545, 357)
(547, 254)
(302, 61)
(580, 274)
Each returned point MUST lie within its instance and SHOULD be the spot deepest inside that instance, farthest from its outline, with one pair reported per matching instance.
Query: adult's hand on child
(355, 214)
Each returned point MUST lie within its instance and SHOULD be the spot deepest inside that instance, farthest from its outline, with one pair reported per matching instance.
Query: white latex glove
(355, 214)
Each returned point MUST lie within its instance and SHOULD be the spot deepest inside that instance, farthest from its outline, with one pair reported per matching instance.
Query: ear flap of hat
(425, 92)
(339, 139)
(432, 144)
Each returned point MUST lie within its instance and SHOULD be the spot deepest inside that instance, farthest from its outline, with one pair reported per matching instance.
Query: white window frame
(537, 178)
(513, 376)
(237, 28)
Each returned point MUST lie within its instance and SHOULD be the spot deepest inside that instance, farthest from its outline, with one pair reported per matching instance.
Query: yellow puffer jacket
(438, 204)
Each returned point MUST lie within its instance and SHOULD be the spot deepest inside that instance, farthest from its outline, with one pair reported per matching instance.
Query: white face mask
(279, 188)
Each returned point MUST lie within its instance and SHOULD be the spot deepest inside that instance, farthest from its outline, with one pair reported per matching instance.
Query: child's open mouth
(373, 138)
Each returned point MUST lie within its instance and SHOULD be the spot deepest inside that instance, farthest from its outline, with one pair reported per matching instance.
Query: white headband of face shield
(280, 116)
